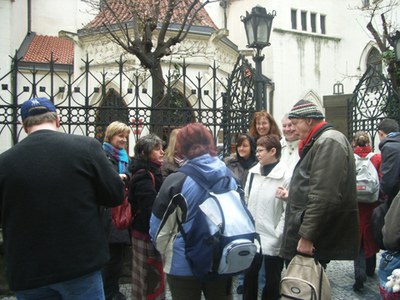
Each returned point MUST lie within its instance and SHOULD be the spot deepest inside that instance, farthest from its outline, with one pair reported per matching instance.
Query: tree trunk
(157, 100)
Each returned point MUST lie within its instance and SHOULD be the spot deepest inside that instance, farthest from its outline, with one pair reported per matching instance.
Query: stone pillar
(337, 111)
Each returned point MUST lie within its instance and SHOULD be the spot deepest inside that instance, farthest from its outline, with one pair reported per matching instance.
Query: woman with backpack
(365, 264)
(175, 208)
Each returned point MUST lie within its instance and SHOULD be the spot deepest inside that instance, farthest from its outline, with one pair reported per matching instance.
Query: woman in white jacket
(268, 212)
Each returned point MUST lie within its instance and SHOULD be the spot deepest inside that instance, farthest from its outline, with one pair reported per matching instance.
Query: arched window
(112, 108)
(375, 59)
(374, 70)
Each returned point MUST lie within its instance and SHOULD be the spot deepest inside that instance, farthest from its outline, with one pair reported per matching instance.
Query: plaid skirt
(148, 282)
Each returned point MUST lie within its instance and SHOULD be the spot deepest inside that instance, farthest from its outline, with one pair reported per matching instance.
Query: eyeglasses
(260, 150)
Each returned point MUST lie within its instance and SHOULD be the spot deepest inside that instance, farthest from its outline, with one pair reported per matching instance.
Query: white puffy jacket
(267, 210)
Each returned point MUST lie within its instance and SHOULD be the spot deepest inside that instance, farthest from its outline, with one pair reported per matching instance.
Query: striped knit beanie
(304, 109)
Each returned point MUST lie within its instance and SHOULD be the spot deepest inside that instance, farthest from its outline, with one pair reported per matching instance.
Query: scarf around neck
(307, 140)
(119, 155)
(247, 163)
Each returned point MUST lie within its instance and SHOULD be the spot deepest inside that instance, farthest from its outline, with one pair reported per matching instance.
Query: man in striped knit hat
(321, 214)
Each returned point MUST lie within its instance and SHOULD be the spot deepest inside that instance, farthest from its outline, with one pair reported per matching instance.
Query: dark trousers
(185, 287)
(360, 272)
(112, 271)
(273, 266)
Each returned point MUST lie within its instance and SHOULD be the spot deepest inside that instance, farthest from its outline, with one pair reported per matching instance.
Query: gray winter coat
(322, 205)
(391, 229)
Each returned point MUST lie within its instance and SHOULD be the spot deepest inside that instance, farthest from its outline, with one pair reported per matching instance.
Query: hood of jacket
(211, 171)
(391, 137)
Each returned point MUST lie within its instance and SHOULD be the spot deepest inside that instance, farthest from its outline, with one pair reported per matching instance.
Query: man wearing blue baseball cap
(51, 187)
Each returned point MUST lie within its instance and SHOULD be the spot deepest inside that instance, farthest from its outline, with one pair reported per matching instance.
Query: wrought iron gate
(373, 100)
(89, 101)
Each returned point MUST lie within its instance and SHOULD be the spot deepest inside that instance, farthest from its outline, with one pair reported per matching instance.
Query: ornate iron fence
(89, 101)
(373, 100)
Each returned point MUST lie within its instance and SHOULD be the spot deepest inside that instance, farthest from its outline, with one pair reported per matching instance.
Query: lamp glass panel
(249, 31)
(397, 49)
(262, 31)
(269, 27)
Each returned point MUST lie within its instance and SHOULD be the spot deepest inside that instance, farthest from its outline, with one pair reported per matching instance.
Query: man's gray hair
(48, 117)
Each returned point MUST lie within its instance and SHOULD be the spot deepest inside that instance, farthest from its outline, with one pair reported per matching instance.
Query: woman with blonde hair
(115, 139)
(171, 160)
(262, 124)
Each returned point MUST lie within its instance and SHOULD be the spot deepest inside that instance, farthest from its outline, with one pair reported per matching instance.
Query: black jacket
(390, 168)
(51, 186)
(142, 192)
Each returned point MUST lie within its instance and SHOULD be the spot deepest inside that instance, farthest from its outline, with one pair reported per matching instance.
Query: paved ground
(340, 274)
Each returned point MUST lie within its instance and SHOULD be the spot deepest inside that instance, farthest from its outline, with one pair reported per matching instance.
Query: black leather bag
(377, 222)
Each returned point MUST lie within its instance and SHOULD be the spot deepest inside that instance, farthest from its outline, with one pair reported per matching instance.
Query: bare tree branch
(376, 36)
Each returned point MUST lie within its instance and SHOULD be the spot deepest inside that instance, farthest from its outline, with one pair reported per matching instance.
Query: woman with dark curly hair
(147, 274)
(243, 159)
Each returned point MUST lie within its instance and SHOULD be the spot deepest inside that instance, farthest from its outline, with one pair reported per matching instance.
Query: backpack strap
(251, 181)
(370, 155)
(189, 170)
(153, 179)
(192, 172)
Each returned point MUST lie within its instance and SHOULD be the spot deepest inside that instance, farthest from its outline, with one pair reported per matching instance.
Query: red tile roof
(40, 49)
(123, 12)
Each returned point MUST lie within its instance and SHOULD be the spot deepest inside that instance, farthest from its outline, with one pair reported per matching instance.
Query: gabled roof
(40, 48)
(123, 13)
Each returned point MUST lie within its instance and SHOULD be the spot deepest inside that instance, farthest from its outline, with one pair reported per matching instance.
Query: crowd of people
(57, 193)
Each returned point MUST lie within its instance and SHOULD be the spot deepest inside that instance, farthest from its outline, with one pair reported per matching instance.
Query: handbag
(377, 223)
(305, 278)
(390, 260)
(122, 214)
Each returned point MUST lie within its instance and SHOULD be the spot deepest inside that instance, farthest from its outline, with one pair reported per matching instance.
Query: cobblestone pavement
(340, 274)
(341, 277)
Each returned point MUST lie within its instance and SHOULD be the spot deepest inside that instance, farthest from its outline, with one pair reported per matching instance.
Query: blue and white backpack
(222, 238)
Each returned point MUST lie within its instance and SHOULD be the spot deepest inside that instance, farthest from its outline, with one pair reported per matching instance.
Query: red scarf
(304, 142)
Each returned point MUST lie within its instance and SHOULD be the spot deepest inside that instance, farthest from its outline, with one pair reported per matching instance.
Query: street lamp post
(258, 25)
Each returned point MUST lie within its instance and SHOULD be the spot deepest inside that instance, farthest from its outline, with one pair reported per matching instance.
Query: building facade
(314, 45)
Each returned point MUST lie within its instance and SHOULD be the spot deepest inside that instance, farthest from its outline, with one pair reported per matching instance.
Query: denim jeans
(88, 287)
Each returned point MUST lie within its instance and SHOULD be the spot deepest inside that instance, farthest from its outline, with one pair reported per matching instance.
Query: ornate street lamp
(396, 42)
(258, 25)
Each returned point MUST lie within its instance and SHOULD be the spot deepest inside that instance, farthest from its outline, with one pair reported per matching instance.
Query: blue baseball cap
(36, 106)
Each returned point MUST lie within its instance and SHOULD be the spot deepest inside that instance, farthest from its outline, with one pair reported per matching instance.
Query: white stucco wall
(13, 28)
(49, 17)
(302, 62)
